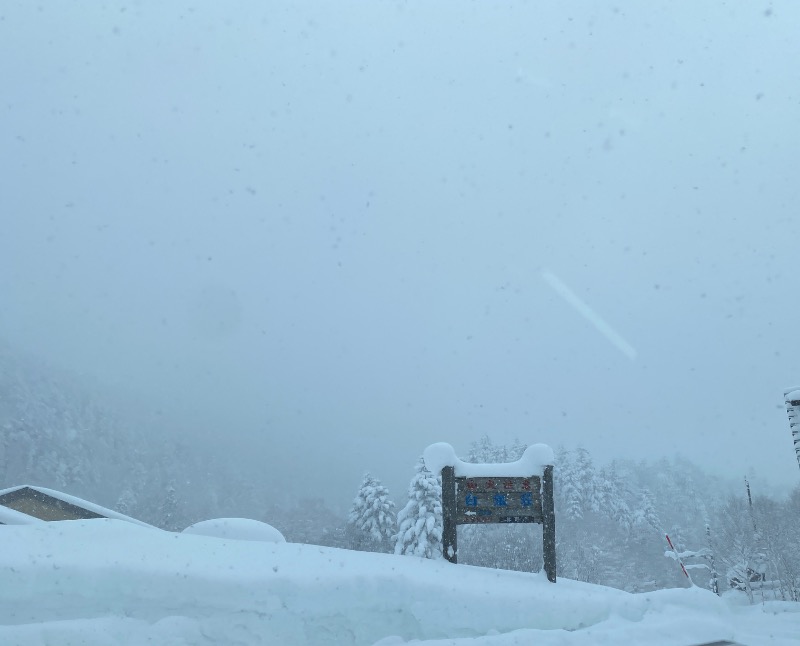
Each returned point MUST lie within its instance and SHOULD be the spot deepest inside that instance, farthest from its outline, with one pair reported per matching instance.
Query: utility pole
(750, 503)
(757, 568)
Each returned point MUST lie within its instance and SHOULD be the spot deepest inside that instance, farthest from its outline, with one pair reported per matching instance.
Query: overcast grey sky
(323, 231)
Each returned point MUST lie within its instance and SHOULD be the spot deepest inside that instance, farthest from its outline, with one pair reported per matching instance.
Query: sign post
(548, 524)
(520, 492)
(449, 523)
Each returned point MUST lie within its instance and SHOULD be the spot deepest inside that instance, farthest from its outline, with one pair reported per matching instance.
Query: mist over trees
(55, 434)
(611, 518)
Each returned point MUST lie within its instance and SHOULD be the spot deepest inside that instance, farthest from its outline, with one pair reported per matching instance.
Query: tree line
(612, 522)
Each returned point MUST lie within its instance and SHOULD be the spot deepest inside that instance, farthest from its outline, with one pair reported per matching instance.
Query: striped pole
(678, 556)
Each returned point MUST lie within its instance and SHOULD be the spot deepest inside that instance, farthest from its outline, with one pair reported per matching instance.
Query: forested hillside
(61, 432)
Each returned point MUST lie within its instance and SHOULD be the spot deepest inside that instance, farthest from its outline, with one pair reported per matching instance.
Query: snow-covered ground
(106, 582)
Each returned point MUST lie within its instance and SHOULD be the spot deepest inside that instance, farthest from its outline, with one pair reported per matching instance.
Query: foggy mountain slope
(55, 434)
(59, 430)
(58, 433)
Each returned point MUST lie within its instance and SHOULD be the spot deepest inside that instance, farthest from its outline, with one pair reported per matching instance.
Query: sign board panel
(498, 500)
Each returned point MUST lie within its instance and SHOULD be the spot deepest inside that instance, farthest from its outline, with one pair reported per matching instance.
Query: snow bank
(104, 582)
(241, 529)
(536, 457)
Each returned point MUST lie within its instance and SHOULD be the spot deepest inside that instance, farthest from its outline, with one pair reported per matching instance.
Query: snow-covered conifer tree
(515, 451)
(569, 486)
(611, 494)
(586, 479)
(168, 509)
(484, 451)
(126, 502)
(420, 521)
(371, 523)
(646, 517)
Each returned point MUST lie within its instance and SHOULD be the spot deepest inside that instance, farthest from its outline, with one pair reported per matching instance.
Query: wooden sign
(488, 500)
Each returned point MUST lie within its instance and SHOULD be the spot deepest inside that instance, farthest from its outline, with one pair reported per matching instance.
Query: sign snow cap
(533, 461)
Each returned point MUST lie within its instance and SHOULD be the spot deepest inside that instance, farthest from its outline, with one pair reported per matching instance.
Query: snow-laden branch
(701, 553)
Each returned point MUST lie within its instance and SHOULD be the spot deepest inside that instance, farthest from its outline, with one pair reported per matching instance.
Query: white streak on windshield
(589, 314)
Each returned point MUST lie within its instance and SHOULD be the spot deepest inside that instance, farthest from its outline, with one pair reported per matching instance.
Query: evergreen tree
(586, 480)
(420, 521)
(611, 497)
(484, 451)
(168, 510)
(515, 451)
(371, 523)
(126, 503)
(646, 518)
(570, 487)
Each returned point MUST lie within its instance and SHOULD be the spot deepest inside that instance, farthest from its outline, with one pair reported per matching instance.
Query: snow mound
(108, 582)
(536, 457)
(240, 529)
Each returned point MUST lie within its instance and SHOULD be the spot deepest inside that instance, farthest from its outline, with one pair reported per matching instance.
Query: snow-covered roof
(19, 518)
(536, 457)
